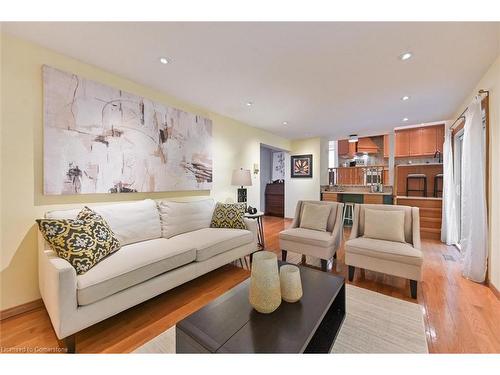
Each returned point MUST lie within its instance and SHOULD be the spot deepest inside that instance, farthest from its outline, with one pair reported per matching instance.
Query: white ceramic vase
(291, 284)
(265, 289)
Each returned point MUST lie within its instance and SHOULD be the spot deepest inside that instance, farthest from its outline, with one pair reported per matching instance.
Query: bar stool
(438, 177)
(348, 212)
(419, 177)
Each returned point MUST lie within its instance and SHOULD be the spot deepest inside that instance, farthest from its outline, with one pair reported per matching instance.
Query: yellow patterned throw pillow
(83, 242)
(228, 215)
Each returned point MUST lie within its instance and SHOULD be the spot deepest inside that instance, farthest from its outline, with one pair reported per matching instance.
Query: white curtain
(449, 230)
(474, 241)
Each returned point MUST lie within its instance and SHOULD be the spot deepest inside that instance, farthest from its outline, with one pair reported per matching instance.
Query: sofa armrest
(252, 227)
(415, 220)
(58, 287)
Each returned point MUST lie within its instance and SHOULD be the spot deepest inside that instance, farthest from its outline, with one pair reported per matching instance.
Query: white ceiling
(327, 79)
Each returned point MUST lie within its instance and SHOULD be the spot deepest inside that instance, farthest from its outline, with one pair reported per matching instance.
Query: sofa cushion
(388, 250)
(385, 225)
(210, 242)
(315, 216)
(130, 221)
(307, 236)
(131, 265)
(183, 217)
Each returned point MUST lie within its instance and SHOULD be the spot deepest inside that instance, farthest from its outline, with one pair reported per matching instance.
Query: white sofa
(164, 244)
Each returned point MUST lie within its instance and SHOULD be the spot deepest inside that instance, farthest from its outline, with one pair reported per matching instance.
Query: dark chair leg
(335, 255)
(283, 255)
(351, 272)
(70, 343)
(413, 288)
(324, 265)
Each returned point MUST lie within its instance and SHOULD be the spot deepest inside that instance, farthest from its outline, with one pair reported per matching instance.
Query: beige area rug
(374, 323)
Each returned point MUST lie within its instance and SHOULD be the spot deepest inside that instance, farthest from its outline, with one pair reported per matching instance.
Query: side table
(260, 226)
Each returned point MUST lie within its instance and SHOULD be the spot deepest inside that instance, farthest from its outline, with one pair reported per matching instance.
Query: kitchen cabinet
(440, 138)
(402, 141)
(343, 146)
(352, 149)
(350, 176)
(386, 146)
(415, 142)
(428, 140)
(418, 142)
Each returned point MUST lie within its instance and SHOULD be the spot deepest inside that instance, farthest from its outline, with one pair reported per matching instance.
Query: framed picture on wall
(302, 166)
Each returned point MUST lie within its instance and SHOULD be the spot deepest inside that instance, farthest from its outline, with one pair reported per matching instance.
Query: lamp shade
(241, 177)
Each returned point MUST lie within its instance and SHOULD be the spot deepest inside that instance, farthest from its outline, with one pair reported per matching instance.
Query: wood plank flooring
(460, 316)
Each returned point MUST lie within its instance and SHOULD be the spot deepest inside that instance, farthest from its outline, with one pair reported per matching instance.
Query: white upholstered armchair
(321, 244)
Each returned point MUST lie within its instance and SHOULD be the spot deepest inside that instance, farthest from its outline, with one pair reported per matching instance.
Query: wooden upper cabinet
(386, 146)
(343, 147)
(428, 140)
(402, 143)
(415, 138)
(352, 149)
(439, 138)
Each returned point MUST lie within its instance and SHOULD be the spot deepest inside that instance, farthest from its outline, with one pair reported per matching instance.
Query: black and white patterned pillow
(83, 242)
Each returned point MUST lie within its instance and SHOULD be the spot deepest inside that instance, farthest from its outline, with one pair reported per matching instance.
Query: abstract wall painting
(301, 166)
(99, 139)
(278, 172)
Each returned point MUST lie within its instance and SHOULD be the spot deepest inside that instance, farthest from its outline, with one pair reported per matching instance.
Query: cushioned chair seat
(388, 250)
(131, 265)
(307, 236)
(210, 242)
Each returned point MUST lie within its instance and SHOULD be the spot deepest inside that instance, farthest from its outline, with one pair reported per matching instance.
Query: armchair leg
(70, 343)
(351, 272)
(324, 265)
(413, 289)
(283, 255)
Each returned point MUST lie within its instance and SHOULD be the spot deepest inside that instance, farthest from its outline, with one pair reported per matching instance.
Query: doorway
(272, 180)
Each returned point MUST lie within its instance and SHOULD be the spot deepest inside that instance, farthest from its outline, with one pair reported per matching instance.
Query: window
(332, 154)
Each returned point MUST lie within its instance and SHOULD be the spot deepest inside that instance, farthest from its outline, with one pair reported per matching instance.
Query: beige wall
(21, 175)
(303, 188)
(491, 82)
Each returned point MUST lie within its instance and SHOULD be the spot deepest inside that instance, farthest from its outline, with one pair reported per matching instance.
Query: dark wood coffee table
(229, 324)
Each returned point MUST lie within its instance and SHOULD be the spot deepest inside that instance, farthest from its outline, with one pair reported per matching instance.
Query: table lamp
(241, 177)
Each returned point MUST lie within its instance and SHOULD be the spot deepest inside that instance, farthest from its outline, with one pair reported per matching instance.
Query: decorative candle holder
(265, 289)
(291, 284)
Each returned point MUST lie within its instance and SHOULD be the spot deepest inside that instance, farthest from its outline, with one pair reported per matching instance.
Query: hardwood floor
(460, 316)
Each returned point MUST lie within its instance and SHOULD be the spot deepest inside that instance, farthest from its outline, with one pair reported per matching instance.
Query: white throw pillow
(315, 216)
(183, 217)
(131, 221)
(385, 225)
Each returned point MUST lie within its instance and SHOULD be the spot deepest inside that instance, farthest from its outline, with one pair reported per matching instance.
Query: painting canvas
(100, 139)
(301, 166)
(278, 172)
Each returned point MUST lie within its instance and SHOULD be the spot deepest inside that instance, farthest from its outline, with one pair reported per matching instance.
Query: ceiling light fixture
(406, 56)
(285, 123)
(353, 138)
(405, 119)
(164, 60)
(249, 104)
(405, 98)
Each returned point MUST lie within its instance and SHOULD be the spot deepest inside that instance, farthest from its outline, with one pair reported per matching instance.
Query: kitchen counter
(419, 164)
(356, 192)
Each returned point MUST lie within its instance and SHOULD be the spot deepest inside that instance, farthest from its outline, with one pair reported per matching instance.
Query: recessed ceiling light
(285, 123)
(405, 119)
(164, 60)
(406, 56)
(405, 98)
(353, 138)
(249, 104)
